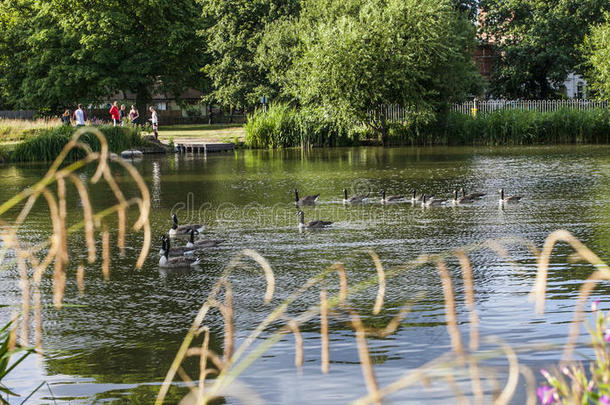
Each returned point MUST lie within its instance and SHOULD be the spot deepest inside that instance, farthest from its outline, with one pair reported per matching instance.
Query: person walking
(134, 115)
(80, 116)
(114, 113)
(155, 122)
(123, 114)
(65, 118)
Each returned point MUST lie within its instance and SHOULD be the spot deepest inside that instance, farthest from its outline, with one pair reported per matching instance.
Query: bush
(49, 143)
(283, 126)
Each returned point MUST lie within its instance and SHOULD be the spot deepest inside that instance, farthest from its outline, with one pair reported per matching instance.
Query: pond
(116, 341)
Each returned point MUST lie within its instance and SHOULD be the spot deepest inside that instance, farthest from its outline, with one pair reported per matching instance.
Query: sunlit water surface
(116, 341)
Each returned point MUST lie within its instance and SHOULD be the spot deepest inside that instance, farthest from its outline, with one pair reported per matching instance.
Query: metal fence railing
(18, 114)
(485, 106)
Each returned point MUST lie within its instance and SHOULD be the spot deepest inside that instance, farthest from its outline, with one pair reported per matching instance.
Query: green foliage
(537, 43)
(349, 57)
(56, 53)
(49, 143)
(234, 29)
(285, 126)
(597, 53)
(6, 352)
(520, 127)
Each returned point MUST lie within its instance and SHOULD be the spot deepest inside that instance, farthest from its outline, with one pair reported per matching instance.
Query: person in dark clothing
(65, 118)
(122, 114)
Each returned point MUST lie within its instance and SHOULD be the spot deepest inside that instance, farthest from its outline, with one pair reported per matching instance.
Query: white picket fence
(485, 106)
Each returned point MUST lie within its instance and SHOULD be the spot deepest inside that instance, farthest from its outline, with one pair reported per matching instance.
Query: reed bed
(18, 130)
(460, 361)
(285, 126)
(48, 144)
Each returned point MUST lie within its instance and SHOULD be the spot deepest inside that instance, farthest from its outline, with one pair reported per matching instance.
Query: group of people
(118, 116)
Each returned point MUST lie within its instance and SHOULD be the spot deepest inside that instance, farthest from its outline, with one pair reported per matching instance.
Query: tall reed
(47, 145)
(17, 130)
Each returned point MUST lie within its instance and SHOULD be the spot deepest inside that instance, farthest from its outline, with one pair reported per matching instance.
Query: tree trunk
(143, 100)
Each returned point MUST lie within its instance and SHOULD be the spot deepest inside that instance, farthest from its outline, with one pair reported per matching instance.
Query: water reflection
(125, 332)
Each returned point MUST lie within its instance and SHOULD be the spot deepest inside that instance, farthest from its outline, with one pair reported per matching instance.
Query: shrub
(49, 143)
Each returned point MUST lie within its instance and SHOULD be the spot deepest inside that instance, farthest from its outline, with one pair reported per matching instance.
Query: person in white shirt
(154, 121)
(80, 116)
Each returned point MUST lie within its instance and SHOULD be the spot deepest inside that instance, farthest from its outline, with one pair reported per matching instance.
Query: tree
(351, 56)
(537, 42)
(597, 55)
(58, 52)
(233, 32)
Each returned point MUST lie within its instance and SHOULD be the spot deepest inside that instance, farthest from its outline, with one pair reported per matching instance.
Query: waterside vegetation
(285, 126)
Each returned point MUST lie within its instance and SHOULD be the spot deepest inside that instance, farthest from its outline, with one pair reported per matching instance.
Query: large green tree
(234, 29)
(597, 56)
(57, 52)
(537, 42)
(350, 57)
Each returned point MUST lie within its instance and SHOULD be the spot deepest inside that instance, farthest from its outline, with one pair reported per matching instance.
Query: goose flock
(185, 256)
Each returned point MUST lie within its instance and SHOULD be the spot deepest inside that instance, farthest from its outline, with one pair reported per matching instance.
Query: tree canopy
(350, 57)
(597, 56)
(537, 42)
(58, 52)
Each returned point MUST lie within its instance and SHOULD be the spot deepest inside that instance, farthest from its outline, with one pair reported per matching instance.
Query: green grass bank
(48, 143)
(284, 126)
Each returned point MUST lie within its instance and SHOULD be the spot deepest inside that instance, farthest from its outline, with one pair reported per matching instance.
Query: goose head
(501, 194)
(423, 199)
(383, 195)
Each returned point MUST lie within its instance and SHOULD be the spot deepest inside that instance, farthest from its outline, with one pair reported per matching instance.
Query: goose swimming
(510, 198)
(203, 243)
(307, 200)
(356, 199)
(184, 229)
(390, 198)
(311, 224)
(177, 261)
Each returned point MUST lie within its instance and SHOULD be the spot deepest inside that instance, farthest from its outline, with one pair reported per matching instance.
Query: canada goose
(432, 202)
(176, 262)
(203, 243)
(415, 198)
(183, 229)
(461, 200)
(307, 200)
(177, 251)
(355, 199)
(390, 198)
(311, 224)
(472, 196)
(510, 198)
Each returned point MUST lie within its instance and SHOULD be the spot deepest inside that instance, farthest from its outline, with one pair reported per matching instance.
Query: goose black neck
(296, 195)
(302, 217)
(175, 218)
(345, 193)
(383, 194)
(192, 236)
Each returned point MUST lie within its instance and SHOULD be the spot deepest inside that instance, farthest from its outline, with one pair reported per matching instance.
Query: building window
(162, 106)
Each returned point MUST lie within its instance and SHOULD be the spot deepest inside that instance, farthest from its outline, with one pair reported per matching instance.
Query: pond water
(116, 341)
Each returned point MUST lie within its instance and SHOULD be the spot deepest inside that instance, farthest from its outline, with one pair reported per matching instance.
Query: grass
(214, 133)
(12, 131)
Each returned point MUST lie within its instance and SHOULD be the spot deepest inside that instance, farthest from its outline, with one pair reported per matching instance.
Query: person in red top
(114, 113)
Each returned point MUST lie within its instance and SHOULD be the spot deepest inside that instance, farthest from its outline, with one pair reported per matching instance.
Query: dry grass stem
(80, 278)
(531, 384)
(342, 282)
(88, 217)
(270, 278)
(381, 278)
(539, 290)
(469, 297)
(450, 315)
(298, 341)
(365, 359)
(513, 373)
(106, 254)
(325, 355)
